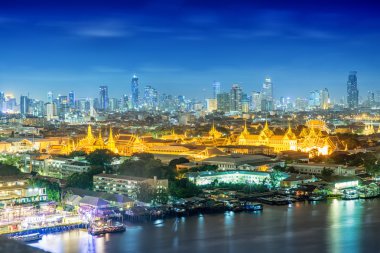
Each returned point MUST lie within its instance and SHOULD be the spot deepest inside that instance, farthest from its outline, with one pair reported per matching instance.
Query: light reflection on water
(335, 226)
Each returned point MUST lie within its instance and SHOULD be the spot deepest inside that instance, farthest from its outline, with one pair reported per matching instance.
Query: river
(334, 226)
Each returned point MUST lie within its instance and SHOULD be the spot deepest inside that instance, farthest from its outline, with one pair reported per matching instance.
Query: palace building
(266, 137)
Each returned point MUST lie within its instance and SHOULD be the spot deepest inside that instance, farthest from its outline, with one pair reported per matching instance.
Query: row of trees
(53, 190)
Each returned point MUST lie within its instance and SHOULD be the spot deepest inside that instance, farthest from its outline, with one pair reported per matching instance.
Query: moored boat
(28, 238)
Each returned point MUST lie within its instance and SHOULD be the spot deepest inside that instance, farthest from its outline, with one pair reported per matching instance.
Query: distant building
(103, 97)
(135, 91)
(211, 104)
(256, 101)
(352, 91)
(223, 102)
(236, 94)
(24, 105)
(71, 99)
(124, 184)
(215, 89)
(325, 99)
(267, 95)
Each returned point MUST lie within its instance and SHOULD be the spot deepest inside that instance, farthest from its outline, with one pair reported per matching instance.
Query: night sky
(181, 47)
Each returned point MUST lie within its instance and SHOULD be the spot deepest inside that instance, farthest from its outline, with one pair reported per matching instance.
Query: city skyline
(188, 48)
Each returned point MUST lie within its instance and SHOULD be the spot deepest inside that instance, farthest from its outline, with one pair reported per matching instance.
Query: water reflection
(334, 226)
(345, 219)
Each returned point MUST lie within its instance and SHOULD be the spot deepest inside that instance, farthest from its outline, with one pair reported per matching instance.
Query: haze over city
(181, 47)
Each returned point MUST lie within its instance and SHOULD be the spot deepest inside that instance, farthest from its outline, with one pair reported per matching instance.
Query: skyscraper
(268, 89)
(352, 90)
(236, 97)
(267, 95)
(150, 97)
(256, 101)
(325, 99)
(2, 102)
(314, 99)
(71, 99)
(135, 92)
(215, 89)
(50, 97)
(103, 97)
(223, 102)
(24, 105)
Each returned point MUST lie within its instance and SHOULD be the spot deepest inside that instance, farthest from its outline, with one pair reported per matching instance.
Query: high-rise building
(211, 104)
(352, 90)
(71, 99)
(135, 91)
(236, 97)
(24, 105)
(267, 89)
(267, 95)
(256, 101)
(223, 102)
(103, 97)
(371, 98)
(150, 97)
(314, 99)
(2, 102)
(325, 99)
(50, 97)
(215, 89)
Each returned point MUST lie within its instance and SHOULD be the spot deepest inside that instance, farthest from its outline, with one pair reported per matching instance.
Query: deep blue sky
(181, 47)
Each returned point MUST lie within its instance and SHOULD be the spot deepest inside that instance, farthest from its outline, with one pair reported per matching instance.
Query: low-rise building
(125, 184)
(317, 168)
(232, 162)
(16, 190)
(228, 177)
(295, 180)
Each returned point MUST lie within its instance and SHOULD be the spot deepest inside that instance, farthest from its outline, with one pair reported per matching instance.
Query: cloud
(107, 69)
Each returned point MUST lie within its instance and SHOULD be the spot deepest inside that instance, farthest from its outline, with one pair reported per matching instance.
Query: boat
(253, 206)
(317, 197)
(96, 230)
(276, 200)
(28, 238)
(350, 196)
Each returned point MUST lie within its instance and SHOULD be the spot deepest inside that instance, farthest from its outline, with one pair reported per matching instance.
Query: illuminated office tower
(71, 99)
(135, 92)
(236, 97)
(50, 97)
(223, 102)
(103, 97)
(352, 90)
(24, 105)
(325, 99)
(215, 89)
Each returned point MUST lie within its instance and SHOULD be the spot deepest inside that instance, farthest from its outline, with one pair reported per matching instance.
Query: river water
(334, 226)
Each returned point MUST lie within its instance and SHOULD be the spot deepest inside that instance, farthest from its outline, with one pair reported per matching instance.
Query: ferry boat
(317, 197)
(253, 206)
(350, 196)
(96, 230)
(28, 238)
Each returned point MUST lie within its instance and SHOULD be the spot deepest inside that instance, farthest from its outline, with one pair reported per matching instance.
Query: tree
(183, 188)
(53, 190)
(8, 170)
(145, 193)
(161, 196)
(77, 153)
(327, 173)
(373, 170)
(275, 178)
(173, 163)
(100, 157)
